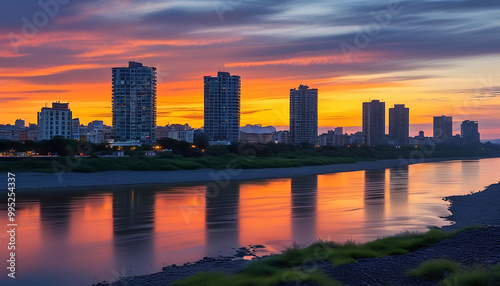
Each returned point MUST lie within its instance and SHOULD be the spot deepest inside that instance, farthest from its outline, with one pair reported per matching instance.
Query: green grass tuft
(434, 269)
(288, 266)
(248, 279)
(475, 276)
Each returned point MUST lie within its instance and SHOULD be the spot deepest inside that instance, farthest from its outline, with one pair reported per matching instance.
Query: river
(90, 235)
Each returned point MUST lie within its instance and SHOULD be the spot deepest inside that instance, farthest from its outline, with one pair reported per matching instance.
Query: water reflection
(399, 192)
(55, 216)
(88, 234)
(133, 225)
(222, 207)
(304, 191)
(374, 198)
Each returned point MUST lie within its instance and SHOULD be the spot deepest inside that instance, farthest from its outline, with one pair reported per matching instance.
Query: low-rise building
(256, 134)
(281, 137)
(184, 135)
(55, 121)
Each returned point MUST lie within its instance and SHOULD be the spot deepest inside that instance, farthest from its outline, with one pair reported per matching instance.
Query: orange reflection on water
(264, 212)
(179, 222)
(92, 221)
(339, 205)
(180, 214)
(28, 233)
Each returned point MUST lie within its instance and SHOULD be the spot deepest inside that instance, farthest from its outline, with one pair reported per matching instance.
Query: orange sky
(70, 59)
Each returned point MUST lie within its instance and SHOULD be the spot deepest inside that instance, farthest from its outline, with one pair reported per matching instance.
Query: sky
(439, 57)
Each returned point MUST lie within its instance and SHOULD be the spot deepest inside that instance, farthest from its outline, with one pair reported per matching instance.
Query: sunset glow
(437, 57)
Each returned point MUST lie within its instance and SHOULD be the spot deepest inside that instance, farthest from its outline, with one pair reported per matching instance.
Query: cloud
(10, 99)
(264, 41)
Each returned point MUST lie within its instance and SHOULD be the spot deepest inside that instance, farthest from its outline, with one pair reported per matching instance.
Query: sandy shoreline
(33, 180)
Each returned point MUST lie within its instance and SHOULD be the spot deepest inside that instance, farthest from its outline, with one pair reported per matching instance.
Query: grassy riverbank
(89, 165)
(190, 157)
(298, 264)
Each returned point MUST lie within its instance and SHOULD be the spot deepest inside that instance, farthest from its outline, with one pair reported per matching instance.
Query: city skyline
(72, 53)
(214, 85)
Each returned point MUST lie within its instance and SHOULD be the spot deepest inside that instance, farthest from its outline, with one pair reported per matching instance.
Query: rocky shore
(470, 247)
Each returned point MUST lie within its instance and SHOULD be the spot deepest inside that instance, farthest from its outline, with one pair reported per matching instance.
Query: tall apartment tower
(303, 115)
(443, 128)
(222, 107)
(374, 122)
(399, 124)
(134, 103)
(55, 121)
(470, 132)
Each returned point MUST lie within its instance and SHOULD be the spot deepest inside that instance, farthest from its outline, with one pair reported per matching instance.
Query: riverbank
(35, 180)
(478, 246)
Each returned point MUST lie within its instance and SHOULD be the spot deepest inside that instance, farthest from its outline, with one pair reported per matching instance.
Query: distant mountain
(494, 141)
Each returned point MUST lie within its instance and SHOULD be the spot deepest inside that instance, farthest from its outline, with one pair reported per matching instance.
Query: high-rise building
(443, 128)
(222, 107)
(303, 115)
(470, 132)
(399, 124)
(374, 122)
(55, 121)
(134, 103)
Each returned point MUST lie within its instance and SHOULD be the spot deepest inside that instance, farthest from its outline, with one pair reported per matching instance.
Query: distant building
(303, 115)
(281, 137)
(75, 122)
(470, 132)
(182, 135)
(55, 121)
(180, 127)
(180, 132)
(28, 133)
(443, 128)
(134, 103)
(421, 140)
(421, 134)
(358, 139)
(399, 124)
(95, 132)
(108, 133)
(257, 134)
(161, 132)
(322, 139)
(333, 138)
(9, 132)
(96, 125)
(222, 107)
(374, 122)
(20, 124)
